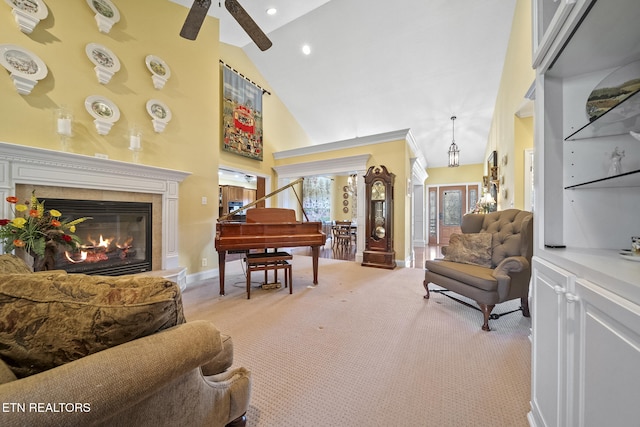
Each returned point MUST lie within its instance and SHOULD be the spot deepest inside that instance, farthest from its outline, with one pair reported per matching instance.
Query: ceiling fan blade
(248, 24)
(192, 24)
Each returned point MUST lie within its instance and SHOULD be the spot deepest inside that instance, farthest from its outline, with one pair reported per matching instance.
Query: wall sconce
(64, 118)
(63, 122)
(135, 142)
(135, 139)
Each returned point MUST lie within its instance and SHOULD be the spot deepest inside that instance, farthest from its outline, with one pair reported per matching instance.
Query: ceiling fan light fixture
(454, 152)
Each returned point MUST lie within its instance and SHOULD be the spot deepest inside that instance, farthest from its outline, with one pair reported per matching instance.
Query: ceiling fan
(199, 10)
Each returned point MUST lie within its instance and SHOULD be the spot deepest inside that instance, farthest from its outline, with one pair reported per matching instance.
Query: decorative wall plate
(160, 114)
(28, 13)
(104, 111)
(102, 108)
(616, 87)
(35, 8)
(101, 56)
(160, 71)
(23, 62)
(106, 62)
(158, 110)
(26, 67)
(629, 256)
(106, 12)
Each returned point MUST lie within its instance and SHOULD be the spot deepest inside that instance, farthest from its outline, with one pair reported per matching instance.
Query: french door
(447, 205)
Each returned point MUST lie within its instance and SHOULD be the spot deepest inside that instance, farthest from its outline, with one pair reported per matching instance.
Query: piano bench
(266, 261)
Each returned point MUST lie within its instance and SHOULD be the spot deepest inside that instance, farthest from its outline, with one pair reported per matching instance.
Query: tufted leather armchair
(508, 276)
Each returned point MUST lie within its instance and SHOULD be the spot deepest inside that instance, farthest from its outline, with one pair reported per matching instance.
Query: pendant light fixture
(453, 148)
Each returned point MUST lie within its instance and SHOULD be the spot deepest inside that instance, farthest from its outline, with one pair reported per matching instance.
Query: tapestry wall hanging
(241, 116)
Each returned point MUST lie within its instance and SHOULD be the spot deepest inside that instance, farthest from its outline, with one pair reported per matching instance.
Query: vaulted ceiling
(380, 66)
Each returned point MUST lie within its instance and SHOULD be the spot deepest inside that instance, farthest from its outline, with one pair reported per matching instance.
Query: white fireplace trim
(21, 164)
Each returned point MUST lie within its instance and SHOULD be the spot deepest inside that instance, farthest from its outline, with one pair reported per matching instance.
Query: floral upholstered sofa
(95, 350)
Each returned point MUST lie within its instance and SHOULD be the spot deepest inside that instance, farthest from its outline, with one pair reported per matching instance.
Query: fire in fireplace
(116, 241)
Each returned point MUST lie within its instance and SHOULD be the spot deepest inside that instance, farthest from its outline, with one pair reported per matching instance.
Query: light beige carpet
(363, 348)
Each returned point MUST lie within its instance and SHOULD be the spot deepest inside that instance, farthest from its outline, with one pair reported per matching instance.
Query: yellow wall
(191, 141)
(281, 130)
(457, 175)
(337, 205)
(523, 129)
(517, 77)
(395, 156)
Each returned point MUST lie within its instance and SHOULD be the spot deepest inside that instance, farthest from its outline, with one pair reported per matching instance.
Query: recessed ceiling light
(272, 11)
(306, 49)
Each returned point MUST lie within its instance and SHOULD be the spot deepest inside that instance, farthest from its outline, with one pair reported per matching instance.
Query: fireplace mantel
(21, 164)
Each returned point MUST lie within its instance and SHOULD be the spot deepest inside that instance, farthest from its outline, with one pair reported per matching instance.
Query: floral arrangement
(33, 227)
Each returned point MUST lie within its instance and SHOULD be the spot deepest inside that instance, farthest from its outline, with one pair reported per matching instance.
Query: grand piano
(267, 228)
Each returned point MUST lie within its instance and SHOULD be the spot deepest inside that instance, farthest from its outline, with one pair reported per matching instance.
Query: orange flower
(12, 199)
(33, 213)
(18, 243)
(55, 223)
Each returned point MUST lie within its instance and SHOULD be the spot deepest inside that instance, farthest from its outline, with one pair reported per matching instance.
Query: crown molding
(324, 167)
(349, 143)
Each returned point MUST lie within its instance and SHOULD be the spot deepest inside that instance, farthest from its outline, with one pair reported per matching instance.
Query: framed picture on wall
(492, 166)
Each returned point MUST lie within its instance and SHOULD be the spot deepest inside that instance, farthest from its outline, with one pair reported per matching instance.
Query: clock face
(378, 191)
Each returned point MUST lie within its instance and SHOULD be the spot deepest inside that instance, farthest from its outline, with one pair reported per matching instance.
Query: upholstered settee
(94, 350)
(489, 262)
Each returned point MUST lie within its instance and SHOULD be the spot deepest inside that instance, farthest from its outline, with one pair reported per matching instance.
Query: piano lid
(271, 215)
(274, 213)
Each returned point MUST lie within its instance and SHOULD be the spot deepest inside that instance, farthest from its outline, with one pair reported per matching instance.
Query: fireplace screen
(116, 241)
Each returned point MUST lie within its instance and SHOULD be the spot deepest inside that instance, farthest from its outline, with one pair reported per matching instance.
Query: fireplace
(63, 175)
(116, 240)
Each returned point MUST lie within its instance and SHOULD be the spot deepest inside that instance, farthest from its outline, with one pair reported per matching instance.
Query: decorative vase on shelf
(616, 162)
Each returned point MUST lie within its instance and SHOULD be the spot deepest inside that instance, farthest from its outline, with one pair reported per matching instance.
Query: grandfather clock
(378, 251)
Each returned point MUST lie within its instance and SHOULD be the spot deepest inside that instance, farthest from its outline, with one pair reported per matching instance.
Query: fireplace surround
(62, 175)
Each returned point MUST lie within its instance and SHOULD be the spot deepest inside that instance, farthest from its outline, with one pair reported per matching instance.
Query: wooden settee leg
(486, 311)
(241, 421)
(524, 303)
(426, 287)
